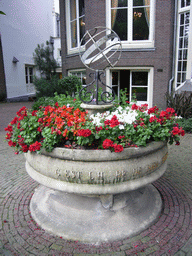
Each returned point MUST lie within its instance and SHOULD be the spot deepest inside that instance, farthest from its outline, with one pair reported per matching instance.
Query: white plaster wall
(26, 24)
(57, 48)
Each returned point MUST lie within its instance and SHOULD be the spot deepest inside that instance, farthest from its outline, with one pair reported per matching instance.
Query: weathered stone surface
(83, 218)
(98, 171)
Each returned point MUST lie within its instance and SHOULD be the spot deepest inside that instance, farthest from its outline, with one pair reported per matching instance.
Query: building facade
(26, 24)
(154, 57)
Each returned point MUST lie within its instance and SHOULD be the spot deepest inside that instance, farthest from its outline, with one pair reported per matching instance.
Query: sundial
(100, 48)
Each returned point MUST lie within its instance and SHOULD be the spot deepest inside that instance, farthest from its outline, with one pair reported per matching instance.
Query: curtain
(114, 4)
(147, 11)
(73, 24)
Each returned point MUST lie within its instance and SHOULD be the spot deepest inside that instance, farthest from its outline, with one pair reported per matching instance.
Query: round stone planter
(96, 195)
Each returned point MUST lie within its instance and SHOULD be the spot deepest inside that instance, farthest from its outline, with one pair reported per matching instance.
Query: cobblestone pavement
(20, 235)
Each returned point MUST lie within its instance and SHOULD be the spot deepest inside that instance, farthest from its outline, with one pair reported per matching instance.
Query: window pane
(184, 54)
(179, 65)
(115, 88)
(26, 71)
(182, 19)
(185, 42)
(114, 78)
(181, 31)
(81, 8)
(74, 34)
(140, 78)
(26, 79)
(181, 43)
(140, 92)
(30, 71)
(141, 19)
(82, 27)
(73, 9)
(118, 3)
(178, 77)
(31, 79)
(185, 3)
(141, 2)
(180, 55)
(119, 22)
(183, 77)
(184, 66)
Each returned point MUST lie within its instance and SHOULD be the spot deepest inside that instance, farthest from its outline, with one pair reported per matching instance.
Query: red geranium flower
(35, 146)
(118, 148)
(107, 143)
(84, 132)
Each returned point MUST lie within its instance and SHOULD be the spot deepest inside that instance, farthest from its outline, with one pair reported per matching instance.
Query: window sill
(138, 49)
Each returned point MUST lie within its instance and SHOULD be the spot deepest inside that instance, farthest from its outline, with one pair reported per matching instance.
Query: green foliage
(43, 58)
(2, 13)
(44, 101)
(186, 124)
(47, 88)
(182, 103)
(69, 85)
(62, 100)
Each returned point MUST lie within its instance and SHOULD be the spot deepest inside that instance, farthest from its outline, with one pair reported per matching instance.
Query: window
(29, 72)
(138, 83)
(79, 73)
(132, 20)
(75, 15)
(185, 3)
(182, 41)
(58, 24)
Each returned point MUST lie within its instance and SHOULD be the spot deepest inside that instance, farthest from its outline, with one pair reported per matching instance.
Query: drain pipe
(174, 49)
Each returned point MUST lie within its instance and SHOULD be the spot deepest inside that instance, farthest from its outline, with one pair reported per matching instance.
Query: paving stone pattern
(20, 235)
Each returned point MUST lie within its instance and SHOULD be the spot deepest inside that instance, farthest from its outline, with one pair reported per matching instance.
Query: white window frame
(150, 71)
(71, 50)
(75, 71)
(183, 10)
(134, 43)
(30, 86)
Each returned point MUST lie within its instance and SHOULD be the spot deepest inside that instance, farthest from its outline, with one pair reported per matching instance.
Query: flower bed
(64, 126)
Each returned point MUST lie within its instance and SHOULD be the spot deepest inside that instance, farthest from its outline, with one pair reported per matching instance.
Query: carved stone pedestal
(96, 195)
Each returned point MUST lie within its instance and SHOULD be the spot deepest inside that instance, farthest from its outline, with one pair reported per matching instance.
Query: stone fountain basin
(98, 171)
(96, 195)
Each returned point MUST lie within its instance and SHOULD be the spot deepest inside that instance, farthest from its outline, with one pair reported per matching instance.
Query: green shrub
(186, 124)
(69, 85)
(182, 103)
(44, 101)
(62, 99)
(47, 88)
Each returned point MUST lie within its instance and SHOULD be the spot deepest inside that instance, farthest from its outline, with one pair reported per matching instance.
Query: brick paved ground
(20, 235)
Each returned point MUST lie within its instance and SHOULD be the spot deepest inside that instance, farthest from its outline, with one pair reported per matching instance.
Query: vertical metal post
(97, 84)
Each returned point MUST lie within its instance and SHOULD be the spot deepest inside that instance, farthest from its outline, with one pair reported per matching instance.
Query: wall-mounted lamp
(15, 60)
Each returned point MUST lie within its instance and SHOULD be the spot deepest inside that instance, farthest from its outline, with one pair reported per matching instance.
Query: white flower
(121, 127)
